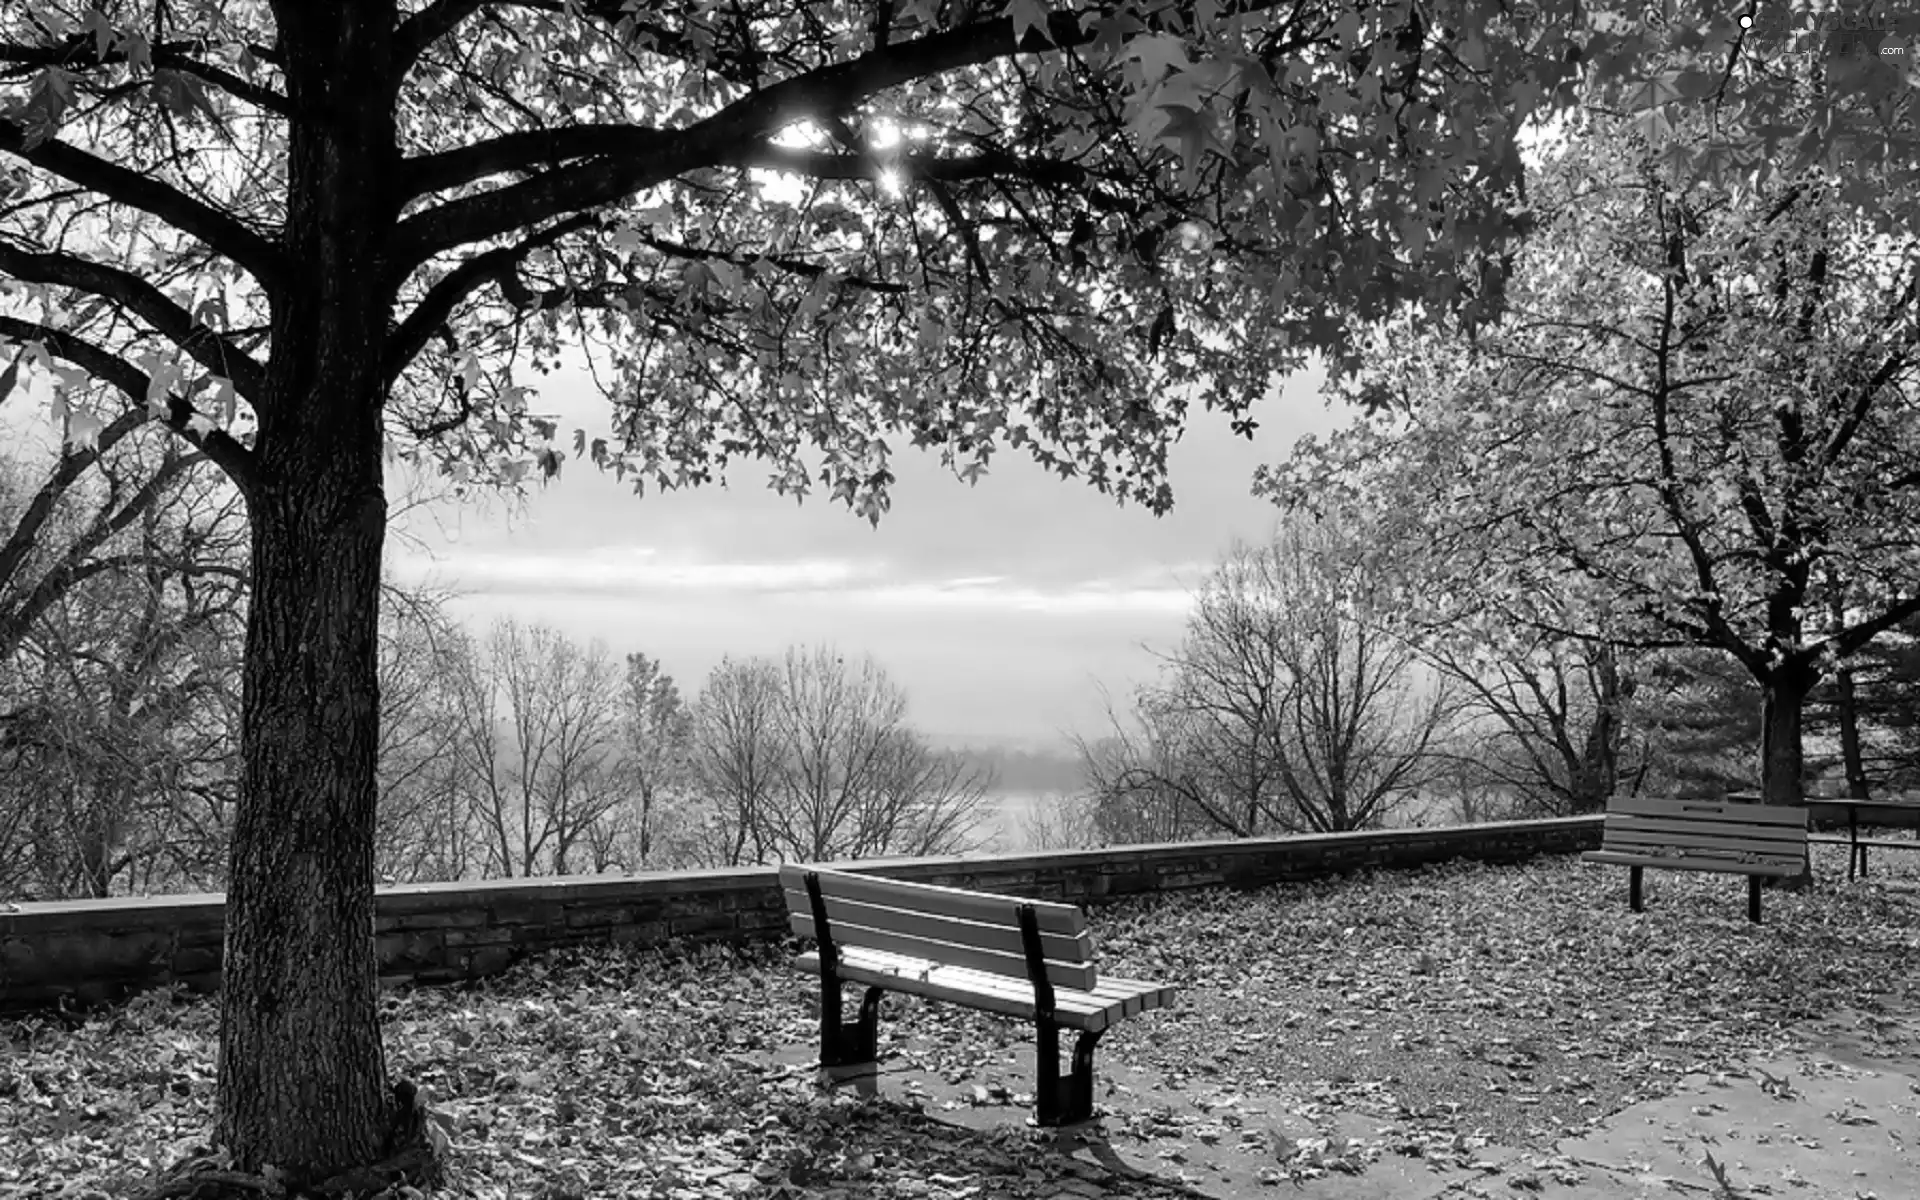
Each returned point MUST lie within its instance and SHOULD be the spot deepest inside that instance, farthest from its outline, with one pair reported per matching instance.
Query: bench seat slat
(1109, 1001)
(1667, 851)
(1061, 947)
(1633, 839)
(1724, 866)
(940, 901)
(1723, 810)
(1704, 848)
(848, 936)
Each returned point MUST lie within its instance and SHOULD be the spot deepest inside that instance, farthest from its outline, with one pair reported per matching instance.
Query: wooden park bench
(1755, 840)
(1027, 959)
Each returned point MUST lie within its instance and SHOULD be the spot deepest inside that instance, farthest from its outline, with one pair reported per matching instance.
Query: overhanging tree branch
(785, 262)
(1863, 398)
(207, 346)
(718, 139)
(220, 232)
(525, 150)
(1852, 639)
(445, 296)
(419, 32)
(424, 28)
(81, 52)
(531, 149)
(219, 446)
(816, 164)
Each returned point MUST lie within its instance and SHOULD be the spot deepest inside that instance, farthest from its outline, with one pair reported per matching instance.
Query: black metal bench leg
(1753, 898)
(1080, 1084)
(849, 1048)
(1046, 1086)
(1064, 1101)
(1633, 888)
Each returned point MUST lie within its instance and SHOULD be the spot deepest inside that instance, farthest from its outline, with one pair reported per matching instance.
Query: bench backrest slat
(1722, 810)
(960, 928)
(1700, 833)
(941, 901)
(1061, 947)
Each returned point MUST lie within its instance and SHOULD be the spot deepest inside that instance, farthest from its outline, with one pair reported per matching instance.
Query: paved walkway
(1839, 1121)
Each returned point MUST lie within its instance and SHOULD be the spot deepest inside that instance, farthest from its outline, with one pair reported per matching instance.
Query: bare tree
(59, 514)
(1060, 821)
(426, 820)
(656, 770)
(738, 755)
(119, 707)
(538, 733)
(124, 606)
(1549, 720)
(1289, 706)
(811, 760)
(1146, 779)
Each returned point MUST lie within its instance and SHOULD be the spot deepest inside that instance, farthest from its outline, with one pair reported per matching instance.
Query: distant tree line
(525, 752)
(1322, 684)
(1299, 700)
(1302, 700)
(513, 751)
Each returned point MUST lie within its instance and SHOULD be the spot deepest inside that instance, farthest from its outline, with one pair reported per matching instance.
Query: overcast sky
(1001, 608)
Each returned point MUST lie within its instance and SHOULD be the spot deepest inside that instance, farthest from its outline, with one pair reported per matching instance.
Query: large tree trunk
(303, 1083)
(1782, 754)
(1783, 703)
(1597, 773)
(1846, 704)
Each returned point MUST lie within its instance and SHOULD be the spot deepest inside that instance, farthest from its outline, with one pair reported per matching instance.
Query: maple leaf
(48, 98)
(1030, 19)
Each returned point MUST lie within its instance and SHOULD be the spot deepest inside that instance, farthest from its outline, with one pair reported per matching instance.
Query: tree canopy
(800, 225)
(1696, 425)
(822, 225)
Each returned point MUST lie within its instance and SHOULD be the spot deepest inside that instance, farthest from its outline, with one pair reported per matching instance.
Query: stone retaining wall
(94, 951)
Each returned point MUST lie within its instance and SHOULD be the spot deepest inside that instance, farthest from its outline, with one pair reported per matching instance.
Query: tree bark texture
(303, 1082)
(302, 1079)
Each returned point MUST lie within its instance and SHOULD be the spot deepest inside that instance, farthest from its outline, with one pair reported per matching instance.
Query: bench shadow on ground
(1146, 1141)
(1841, 1118)
(900, 1142)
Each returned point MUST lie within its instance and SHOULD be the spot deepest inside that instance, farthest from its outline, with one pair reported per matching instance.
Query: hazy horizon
(1002, 609)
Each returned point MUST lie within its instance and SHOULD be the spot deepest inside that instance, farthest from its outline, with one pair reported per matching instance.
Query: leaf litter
(1426, 1014)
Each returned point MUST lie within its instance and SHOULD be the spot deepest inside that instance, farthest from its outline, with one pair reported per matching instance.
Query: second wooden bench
(1755, 840)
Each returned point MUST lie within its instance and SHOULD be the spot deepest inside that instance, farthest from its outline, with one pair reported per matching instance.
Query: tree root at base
(412, 1159)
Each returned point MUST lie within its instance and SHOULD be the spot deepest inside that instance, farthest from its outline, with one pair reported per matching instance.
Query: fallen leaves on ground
(1425, 1015)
